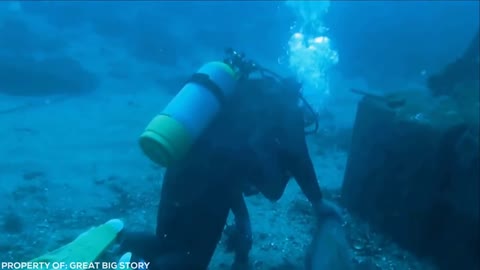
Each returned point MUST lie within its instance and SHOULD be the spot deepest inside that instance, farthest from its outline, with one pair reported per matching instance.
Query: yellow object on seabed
(84, 249)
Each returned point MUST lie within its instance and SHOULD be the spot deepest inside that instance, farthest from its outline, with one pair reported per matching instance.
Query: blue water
(80, 80)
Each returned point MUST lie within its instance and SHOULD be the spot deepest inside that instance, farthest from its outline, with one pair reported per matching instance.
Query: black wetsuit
(258, 139)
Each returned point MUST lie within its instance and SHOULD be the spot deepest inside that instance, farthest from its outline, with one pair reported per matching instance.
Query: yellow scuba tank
(170, 134)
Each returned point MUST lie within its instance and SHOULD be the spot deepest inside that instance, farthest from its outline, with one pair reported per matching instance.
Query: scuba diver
(234, 126)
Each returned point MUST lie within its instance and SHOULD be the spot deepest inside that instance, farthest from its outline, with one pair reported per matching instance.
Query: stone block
(413, 173)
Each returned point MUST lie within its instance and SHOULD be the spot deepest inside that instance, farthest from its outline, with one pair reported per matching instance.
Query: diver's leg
(141, 244)
(240, 234)
(189, 231)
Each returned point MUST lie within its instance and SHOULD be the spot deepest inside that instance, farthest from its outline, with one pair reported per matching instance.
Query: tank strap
(205, 81)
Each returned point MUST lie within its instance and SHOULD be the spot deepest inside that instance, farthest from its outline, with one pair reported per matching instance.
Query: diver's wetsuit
(290, 154)
(198, 193)
(283, 149)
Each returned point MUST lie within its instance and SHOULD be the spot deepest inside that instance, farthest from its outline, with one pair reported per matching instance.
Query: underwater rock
(49, 76)
(20, 38)
(329, 249)
(413, 174)
(33, 63)
(12, 223)
(32, 175)
(462, 70)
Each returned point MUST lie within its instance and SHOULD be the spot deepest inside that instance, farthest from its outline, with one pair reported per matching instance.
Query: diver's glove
(328, 210)
(239, 240)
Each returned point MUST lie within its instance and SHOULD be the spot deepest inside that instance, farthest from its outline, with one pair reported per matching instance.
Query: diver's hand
(326, 210)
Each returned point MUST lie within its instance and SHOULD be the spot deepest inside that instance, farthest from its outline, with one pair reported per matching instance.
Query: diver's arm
(298, 158)
(301, 168)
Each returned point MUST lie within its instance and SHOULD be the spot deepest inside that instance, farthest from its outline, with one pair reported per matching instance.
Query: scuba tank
(170, 134)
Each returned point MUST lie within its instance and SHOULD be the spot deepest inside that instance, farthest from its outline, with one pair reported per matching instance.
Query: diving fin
(88, 246)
